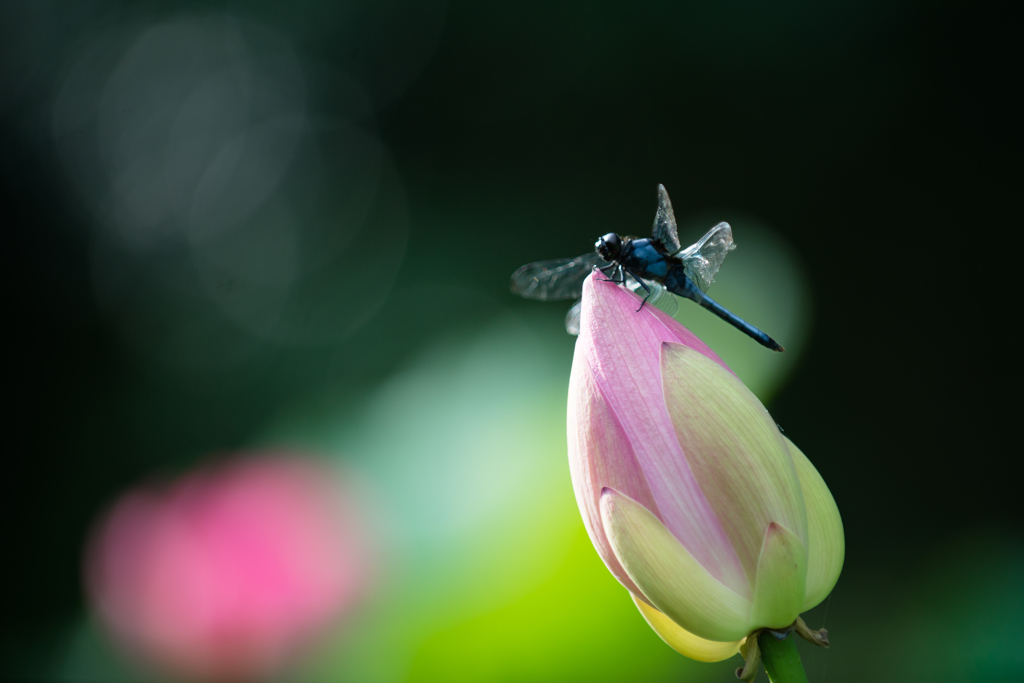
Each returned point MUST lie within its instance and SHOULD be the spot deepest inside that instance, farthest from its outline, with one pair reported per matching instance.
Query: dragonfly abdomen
(678, 283)
(740, 324)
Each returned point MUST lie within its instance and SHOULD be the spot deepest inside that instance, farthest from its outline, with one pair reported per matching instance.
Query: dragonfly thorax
(609, 247)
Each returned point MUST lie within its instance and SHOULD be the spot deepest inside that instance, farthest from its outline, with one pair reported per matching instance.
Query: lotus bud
(714, 521)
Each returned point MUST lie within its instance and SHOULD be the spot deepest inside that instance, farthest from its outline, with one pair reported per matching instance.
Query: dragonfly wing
(555, 280)
(703, 259)
(659, 296)
(664, 229)
(572, 318)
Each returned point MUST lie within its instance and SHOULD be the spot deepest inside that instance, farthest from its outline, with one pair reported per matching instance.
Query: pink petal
(600, 455)
(621, 348)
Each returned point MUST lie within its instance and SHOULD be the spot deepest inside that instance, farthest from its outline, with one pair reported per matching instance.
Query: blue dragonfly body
(655, 265)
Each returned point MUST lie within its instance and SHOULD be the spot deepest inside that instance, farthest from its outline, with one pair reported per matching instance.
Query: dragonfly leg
(611, 276)
(646, 289)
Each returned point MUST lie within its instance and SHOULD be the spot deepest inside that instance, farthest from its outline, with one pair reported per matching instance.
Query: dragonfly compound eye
(609, 246)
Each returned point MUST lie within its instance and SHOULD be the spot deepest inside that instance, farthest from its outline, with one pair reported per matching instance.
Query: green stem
(781, 660)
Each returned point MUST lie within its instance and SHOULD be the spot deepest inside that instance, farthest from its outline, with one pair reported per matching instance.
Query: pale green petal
(826, 547)
(684, 642)
(781, 578)
(735, 451)
(669, 575)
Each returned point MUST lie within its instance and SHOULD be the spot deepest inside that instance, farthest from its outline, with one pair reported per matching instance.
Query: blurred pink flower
(226, 573)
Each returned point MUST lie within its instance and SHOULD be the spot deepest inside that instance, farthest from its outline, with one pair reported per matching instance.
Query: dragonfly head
(609, 247)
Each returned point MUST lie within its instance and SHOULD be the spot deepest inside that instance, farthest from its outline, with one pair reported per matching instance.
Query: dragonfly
(657, 265)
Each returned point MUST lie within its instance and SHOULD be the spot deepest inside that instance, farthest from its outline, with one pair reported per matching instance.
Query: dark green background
(877, 137)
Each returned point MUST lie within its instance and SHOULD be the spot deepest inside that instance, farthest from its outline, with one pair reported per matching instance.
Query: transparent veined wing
(555, 280)
(703, 259)
(572, 318)
(664, 229)
(659, 296)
